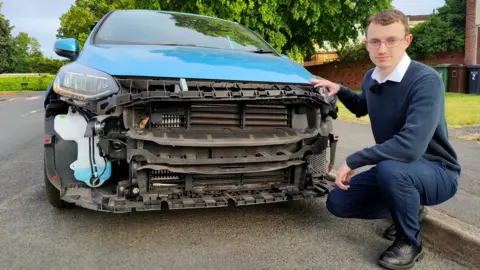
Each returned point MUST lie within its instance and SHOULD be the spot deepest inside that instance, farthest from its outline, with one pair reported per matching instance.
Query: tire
(52, 193)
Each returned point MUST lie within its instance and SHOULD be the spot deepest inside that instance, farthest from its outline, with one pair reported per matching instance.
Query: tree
(47, 65)
(443, 32)
(291, 26)
(6, 44)
(352, 52)
(27, 53)
(455, 11)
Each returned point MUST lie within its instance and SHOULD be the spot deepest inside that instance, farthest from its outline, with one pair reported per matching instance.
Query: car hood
(192, 62)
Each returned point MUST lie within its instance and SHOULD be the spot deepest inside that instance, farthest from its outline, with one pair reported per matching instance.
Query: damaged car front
(165, 110)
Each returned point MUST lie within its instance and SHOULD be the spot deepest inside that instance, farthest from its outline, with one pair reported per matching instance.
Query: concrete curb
(20, 93)
(8, 94)
(457, 240)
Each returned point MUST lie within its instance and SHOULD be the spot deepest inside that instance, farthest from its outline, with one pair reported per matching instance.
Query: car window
(156, 28)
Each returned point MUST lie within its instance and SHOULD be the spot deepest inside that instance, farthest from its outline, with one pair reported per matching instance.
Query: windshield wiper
(190, 45)
(263, 51)
(177, 44)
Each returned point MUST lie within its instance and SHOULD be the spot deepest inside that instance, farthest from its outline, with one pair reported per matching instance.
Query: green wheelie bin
(443, 70)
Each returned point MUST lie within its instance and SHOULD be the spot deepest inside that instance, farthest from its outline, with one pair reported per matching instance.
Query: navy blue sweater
(407, 118)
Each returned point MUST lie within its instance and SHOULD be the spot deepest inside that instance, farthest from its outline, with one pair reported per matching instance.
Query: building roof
(418, 17)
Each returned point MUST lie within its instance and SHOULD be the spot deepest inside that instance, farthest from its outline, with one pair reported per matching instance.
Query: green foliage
(290, 26)
(443, 32)
(29, 59)
(454, 11)
(36, 83)
(6, 44)
(352, 52)
(43, 64)
(21, 54)
(27, 51)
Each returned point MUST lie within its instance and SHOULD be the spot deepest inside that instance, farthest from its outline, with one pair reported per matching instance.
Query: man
(414, 163)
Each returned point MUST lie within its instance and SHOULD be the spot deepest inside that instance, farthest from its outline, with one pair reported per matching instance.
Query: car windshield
(156, 28)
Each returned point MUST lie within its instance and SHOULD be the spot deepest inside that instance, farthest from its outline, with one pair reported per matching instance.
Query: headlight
(84, 83)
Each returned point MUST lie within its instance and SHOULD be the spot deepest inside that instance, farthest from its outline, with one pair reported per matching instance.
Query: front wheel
(52, 193)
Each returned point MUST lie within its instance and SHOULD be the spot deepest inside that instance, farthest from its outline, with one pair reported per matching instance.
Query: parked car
(167, 110)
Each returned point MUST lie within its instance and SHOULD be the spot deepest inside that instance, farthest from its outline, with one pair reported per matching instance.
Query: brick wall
(351, 74)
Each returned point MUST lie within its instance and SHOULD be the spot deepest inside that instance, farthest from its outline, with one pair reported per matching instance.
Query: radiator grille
(234, 115)
(266, 115)
(167, 179)
(281, 176)
(215, 115)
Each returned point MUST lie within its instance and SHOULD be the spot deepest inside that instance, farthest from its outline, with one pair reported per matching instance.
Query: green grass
(35, 83)
(460, 110)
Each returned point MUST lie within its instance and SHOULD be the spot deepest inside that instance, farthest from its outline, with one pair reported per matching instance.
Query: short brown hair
(389, 16)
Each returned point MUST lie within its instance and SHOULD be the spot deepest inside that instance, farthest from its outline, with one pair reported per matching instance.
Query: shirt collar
(397, 74)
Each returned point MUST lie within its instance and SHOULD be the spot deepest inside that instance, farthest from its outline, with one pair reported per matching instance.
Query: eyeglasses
(390, 43)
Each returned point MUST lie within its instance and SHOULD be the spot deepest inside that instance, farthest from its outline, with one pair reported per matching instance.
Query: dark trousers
(394, 189)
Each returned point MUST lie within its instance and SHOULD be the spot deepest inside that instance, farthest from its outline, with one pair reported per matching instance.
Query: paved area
(33, 235)
(464, 205)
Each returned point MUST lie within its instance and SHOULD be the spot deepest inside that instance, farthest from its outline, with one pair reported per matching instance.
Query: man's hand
(330, 87)
(344, 173)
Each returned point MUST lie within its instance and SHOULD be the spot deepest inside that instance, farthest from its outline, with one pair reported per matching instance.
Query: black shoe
(390, 232)
(400, 255)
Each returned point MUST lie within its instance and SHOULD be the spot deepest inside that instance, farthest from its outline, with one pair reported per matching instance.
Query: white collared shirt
(397, 74)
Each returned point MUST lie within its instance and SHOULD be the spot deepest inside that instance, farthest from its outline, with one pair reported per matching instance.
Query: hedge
(19, 82)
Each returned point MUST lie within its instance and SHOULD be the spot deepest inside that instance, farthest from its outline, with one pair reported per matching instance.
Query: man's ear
(408, 39)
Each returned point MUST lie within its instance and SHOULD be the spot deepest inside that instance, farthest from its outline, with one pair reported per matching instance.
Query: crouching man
(413, 161)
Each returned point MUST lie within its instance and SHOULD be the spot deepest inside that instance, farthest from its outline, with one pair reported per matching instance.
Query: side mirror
(67, 47)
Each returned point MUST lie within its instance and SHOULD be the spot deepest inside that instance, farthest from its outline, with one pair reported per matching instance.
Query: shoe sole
(418, 258)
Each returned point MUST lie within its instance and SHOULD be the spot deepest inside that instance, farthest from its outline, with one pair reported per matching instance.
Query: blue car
(165, 110)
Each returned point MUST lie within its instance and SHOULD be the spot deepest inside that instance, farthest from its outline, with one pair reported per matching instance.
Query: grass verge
(18, 83)
(460, 109)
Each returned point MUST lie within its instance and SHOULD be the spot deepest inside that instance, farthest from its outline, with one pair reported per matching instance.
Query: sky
(40, 18)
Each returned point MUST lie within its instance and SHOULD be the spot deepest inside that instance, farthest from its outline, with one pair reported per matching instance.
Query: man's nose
(383, 47)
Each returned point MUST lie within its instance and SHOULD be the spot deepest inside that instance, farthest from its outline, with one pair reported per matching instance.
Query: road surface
(35, 235)
(464, 205)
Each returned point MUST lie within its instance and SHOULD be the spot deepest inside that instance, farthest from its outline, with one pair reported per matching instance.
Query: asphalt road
(464, 205)
(34, 235)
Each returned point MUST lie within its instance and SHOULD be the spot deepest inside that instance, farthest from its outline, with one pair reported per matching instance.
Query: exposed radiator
(164, 178)
(280, 176)
(213, 116)
(234, 115)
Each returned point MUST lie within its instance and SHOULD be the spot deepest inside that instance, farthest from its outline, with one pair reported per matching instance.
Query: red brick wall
(444, 58)
(351, 74)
